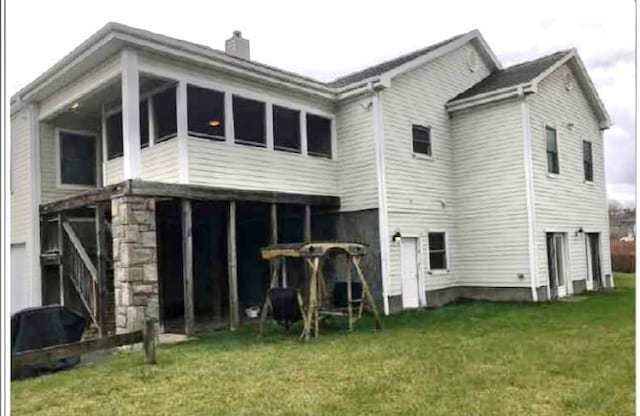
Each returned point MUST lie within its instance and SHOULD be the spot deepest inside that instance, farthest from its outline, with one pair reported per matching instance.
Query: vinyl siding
(113, 171)
(357, 181)
(415, 186)
(160, 162)
(21, 218)
(566, 203)
(491, 232)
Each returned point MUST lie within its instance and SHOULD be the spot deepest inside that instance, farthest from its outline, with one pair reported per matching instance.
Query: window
(286, 129)
(205, 113)
(421, 140)
(144, 124)
(164, 111)
(437, 251)
(114, 136)
(77, 159)
(587, 157)
(552, 151)
(249, 121)
(318, 136)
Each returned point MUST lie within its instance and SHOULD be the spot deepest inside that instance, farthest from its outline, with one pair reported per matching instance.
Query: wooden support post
(267, 301)
(61, 257)
(101, 267)
(367, 293)
(187, 266)
(149, 340)
(234, 313)
(307, 223)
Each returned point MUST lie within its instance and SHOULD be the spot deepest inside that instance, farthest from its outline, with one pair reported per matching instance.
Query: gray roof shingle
(512, 76)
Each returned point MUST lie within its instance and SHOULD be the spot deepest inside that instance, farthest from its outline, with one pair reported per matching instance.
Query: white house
(147, 172)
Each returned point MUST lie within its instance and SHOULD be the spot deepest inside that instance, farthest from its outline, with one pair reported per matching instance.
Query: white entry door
(556, 256)
(409, 271)
(20, 296)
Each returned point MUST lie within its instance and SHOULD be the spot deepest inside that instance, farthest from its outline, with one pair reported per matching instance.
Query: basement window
(77, 159)
(421, 139)
(553, 166)
(437, 251)
(249, 121)
(205, 113)
(587, 158)
(165, 118)
(286, 129)
(318, 136)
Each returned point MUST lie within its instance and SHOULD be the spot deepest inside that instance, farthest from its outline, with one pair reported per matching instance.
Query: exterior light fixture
(580, 232)
(75, 105)
(396, 237)
(214, 123)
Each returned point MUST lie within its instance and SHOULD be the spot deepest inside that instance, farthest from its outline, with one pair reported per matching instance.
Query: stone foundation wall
(135, 262)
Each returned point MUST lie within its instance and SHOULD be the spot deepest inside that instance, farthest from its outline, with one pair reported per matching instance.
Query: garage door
(20, 288)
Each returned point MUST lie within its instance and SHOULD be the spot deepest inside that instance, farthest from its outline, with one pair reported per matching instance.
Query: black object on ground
(284, 304)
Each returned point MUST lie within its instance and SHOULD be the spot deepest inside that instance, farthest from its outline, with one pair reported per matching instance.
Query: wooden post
(101, 267)
(149, 340)
(61, 258)
(367, 293)
(187, 266)
(307, 224)
(234, 313)
(267, 302)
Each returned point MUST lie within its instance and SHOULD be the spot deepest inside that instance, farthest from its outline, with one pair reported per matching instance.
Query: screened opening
(114, 136)
(437, 251)
(421, 140)
(77, 159)
(164, 110)
(205, 113)
(286, 129)
(552, 151)
(587, 156)
(144, 124)
(318, 136)
(249, 121)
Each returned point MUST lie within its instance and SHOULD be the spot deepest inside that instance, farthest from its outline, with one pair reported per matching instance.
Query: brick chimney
(237, 46)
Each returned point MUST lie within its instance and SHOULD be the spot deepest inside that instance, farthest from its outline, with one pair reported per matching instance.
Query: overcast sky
(326, 39)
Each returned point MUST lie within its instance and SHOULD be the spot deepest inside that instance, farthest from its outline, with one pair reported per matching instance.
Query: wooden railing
(81, 271)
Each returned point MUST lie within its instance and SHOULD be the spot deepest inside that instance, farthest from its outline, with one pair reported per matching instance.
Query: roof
(513, 75)
(383, 67)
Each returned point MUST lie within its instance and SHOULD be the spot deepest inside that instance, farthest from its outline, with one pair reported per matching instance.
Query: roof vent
(237, 46)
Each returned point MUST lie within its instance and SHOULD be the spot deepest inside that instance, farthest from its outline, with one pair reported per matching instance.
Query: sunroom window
(205, 113)
(286, 129)
(77, 159)
(318, 136)
(249, 121)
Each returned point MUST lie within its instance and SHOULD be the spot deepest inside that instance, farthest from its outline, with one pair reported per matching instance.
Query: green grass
(473, 358)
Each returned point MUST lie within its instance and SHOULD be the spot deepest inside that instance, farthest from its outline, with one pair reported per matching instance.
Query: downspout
(378, 133)
(530, 196)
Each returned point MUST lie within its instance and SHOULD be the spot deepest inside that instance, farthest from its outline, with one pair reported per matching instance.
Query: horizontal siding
(491, 233)
(357, 180)
(416, 187)
(160, 162)
(21, 178)
(114, 172)
(566, 203)
(219, 164)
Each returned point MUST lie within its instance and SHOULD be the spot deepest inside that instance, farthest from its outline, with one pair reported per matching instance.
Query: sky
(331, 38)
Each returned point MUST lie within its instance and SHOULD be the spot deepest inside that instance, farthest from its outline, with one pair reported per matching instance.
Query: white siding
(566, 203)
(160, 162)
(357, 181)
(415, 186)
(491, 234)
(21, 218)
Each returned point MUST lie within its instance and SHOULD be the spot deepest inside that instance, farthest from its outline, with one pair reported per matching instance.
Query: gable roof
(383, 67)
(513, 75)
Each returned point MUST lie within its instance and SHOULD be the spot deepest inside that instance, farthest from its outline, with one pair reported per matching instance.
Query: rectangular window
(114, 136)
(164, 111)
(437, 251)
(77, 159)
(552, 151)
(286, 129)
(421, 140)
(318, 136)
(144, 124)
(587, 157)
(249, 121)
(205, 113)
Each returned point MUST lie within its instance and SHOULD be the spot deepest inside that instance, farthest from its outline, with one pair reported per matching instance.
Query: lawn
(472, 358)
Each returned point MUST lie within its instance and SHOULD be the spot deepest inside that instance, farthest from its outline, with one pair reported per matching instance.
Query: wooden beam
(61, 254)
(101, 266)
(234, 313)
(187, 266)
(307, 223)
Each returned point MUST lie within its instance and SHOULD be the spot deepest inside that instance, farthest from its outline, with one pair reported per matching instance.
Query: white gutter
(378, 133)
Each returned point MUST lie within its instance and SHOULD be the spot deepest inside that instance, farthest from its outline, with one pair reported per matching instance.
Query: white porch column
(182, 122)
(130, 114)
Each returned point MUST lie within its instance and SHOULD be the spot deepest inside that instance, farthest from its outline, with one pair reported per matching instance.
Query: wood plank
(234, 313)
(61, 265)
(101, 266)
(307, 223)
(187, 266)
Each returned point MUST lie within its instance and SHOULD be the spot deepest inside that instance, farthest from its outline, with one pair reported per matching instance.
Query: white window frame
(422, 156)
(546, 162)
(446, 253)
(58, 160)
(593, 172)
